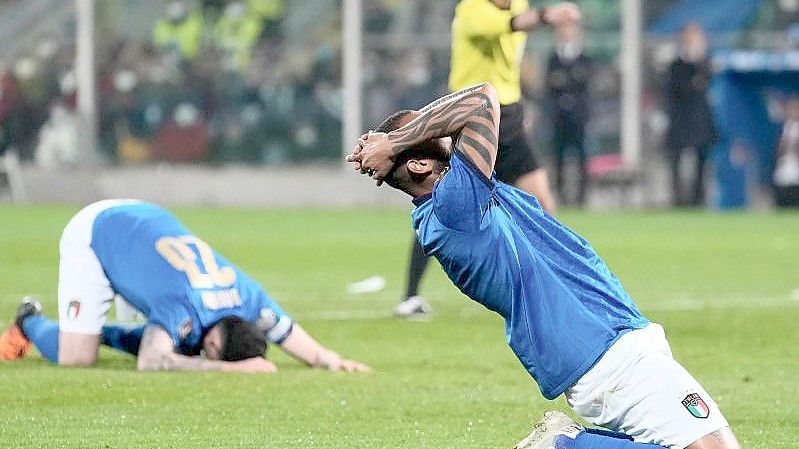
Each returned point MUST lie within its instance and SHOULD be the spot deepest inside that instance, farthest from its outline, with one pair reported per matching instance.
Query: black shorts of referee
(515, 157)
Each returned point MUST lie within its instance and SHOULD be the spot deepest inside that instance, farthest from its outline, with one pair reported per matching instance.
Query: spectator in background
(181, 31)
(567, 78)
(235, 34)
(786, 173)
(126, 131)
(35, 96)
(691, 128)
(270, 12)
(376, 16)
(61, 141)
(267, 9)
(184, 136)
(9, 98)
(412, 84)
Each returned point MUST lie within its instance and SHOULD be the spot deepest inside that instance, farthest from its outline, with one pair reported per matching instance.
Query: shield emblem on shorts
(696, 406)
(73, 309)
(185, 329)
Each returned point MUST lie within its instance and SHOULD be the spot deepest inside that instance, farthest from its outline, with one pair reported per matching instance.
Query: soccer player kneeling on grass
(195, 301)
(567, 317)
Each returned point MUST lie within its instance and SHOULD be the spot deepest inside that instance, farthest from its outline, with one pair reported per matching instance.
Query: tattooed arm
(471, 116)
(157, 352)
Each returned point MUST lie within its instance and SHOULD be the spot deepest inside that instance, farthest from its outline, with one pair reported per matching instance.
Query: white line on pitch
(730, 303)
(660, 306)
(343, 315)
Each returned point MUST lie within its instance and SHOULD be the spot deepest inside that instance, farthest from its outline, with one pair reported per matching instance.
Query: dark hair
(393, 121)
(241, 340)
(402, 179)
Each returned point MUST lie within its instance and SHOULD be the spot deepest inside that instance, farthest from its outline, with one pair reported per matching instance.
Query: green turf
(720, 283)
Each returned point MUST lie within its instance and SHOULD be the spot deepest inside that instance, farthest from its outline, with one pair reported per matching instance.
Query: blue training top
(175, 279)
(562, 306)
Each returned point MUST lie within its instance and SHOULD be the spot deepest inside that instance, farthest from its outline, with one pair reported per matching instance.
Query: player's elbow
(153, 361)
(143, 364)
(490, 91)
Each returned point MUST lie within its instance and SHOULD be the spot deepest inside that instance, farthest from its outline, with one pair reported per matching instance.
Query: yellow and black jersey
(485, 49)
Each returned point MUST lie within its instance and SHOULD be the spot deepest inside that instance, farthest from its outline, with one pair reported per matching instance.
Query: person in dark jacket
(786, 170)
(691, 121)
(568, 73)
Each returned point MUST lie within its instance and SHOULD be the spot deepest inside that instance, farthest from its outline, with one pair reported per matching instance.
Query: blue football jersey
(175, 279)
(562, 306)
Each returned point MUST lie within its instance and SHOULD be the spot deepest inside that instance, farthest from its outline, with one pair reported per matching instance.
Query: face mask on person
(176, 11)
(125, 81)
(186, 115)
(235, 11)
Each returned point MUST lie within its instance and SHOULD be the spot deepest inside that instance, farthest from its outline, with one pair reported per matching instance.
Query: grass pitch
(721, 284)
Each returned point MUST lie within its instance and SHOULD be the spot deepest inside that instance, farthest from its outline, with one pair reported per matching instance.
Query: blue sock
(122, 338)
(43, 333)
(594, 440)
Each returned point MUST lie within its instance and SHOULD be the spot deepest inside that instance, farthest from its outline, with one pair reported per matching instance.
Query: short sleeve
(462, 197)
(273, 320)
(482, 18)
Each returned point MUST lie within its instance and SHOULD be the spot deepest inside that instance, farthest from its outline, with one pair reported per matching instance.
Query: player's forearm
(177, 362)
(157, 353)
(444, 117)
(527, 20)
(300, 345)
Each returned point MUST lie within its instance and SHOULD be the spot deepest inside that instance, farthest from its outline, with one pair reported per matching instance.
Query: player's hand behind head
(563, 13)
(252, 365)
(373, 155)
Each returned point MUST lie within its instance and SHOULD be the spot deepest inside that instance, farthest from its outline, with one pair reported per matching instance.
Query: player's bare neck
(421, 191)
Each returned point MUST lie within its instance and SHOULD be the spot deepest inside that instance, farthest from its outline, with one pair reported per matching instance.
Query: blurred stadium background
(143, 98)
(251, 104)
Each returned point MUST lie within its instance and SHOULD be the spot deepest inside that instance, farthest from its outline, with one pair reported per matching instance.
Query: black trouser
(570, 138)
(515, 156)
(697, 197)
(787, 196)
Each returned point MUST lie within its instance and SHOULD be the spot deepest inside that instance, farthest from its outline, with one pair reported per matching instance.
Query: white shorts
(637, 388)
(84, 292)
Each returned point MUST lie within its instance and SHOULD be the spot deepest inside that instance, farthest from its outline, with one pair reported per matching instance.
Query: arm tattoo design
(452, 96)
(469, 112)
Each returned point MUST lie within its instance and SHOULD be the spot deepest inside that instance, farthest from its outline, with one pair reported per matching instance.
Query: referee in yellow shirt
(488, 39)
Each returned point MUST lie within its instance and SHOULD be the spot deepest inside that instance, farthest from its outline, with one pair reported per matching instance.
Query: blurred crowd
(214, 82)
(219, 81)
(259, 81)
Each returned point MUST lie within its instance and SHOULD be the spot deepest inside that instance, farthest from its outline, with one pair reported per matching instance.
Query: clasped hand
(373, 155)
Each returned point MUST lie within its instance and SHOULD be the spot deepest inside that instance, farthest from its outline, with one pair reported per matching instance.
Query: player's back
(167, 273)
(562, 306)
(125, 240)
